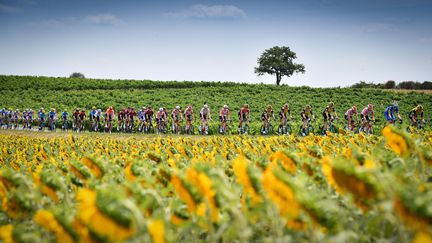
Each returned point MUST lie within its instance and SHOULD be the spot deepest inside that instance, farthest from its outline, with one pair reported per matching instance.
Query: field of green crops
(35, 92)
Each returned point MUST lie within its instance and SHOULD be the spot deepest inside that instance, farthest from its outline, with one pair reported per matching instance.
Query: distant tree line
(392, 85)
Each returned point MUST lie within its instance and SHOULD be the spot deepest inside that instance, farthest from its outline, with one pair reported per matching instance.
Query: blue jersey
(41, 115)
(390, 112)
(65, 114)
(52, 114)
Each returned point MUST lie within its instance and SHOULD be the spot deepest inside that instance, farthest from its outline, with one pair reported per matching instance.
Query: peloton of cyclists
(329, 115)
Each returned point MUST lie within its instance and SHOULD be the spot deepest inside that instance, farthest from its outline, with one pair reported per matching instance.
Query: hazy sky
(339, 41)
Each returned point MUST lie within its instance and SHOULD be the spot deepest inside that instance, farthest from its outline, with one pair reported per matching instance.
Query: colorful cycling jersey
(350, 112)
(243, 111)
(16, 114)
(65, 114)
(283, 113)
(416, 113)
(175, 113)
(81, 115)
(132, 113)
(329, 110)
(41, 115)
(367, 112)
(93, 114)
(307, 112)
(392, 109)
(266, 115)
(223, 112)
(52, 114)
(141, 114)
(188, 111)
(30, 114)
(161, 115)
(149, 113)
(110, 112)
(204, 112)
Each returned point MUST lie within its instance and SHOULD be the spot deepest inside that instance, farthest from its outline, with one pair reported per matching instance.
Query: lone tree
(278, 60)
(76, 75)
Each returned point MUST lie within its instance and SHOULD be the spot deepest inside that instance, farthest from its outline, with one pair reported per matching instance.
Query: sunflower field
(101, 188)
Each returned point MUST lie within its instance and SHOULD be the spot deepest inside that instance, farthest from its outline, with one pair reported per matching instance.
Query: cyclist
(121, 118)
(244, 116)
(161, 118)
(93, 113)
(306, 116)
(141, 117)
(390, 113)
(52, 115)
(24, 118)
(349, 117)
(148, 115)
(75, 116)
(30, 115)
(205, 117)
(329, 115)
(42, 117)
(176, 115)
(266, 117)
(366, 115)
(81, 119)
(414, 114)
(224, 117)
(130, 118)
(2, 116)
(283, 116)
(189, 116)
(64, 115)
(109, 116)
(15, 118)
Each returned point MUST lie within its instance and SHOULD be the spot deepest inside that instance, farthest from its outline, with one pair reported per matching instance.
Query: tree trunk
(278, 78)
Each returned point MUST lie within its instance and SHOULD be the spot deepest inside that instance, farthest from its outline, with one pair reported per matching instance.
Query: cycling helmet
(94, 107)
(149, 107)
(269, 107)
(17, 109)
(331, 104)
(420, 107)
(77, 109)
(177, 107)
(99, 110)
(110, 107)
(225, 106)
(206, 106)
(31, 109)
(246, 105)
(354, 108)
(52, 109)
(65, 110)
(370, 106)
(308, 106)
(161, 109)
(143, 108)
(286, 105)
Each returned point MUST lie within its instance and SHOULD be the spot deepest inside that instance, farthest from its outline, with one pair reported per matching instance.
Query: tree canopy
(279, 61)
(77, 75)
